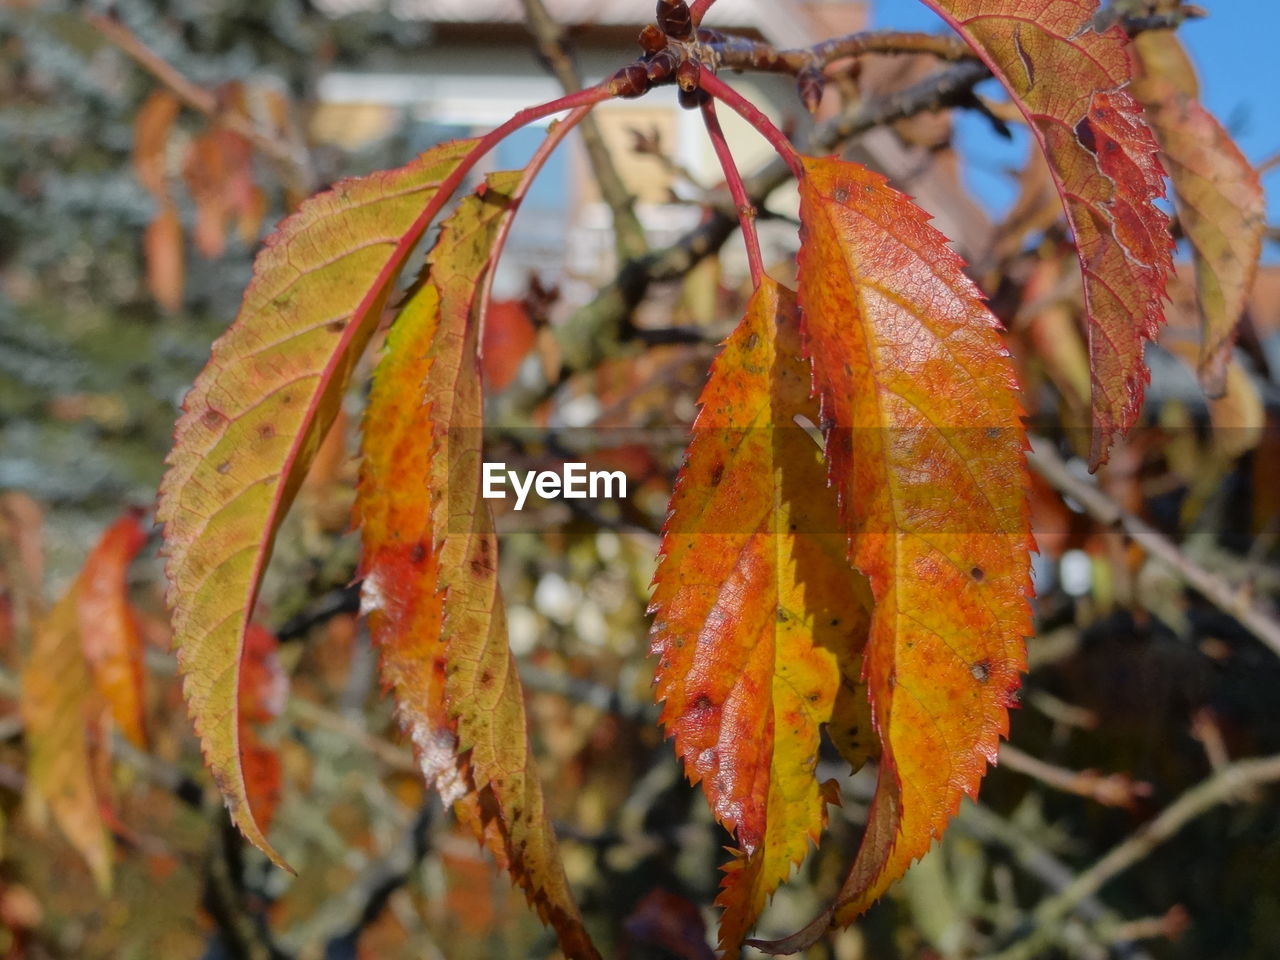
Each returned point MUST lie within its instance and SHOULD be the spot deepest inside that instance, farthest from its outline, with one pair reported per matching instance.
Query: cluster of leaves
(873, 587)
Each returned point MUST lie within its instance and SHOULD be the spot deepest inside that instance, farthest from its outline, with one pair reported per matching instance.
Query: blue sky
(1235, 50)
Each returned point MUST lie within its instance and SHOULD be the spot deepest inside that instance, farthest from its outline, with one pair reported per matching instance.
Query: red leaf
(1071, 82)
(264, 689)
(509, 335)
(109, 631)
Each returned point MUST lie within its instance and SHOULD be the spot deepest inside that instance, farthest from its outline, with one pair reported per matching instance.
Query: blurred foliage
(1132, 673)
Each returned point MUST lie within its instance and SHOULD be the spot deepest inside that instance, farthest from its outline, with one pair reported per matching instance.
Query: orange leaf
(1070, 80)
(166, 269)
(109, 632)
(1219, 198)
(206, 175)
(430, 568)
(509, 335)
(151, 131)
(55, 711)
(256, 415)
(264, 688)
(925, 446)
(759, 618)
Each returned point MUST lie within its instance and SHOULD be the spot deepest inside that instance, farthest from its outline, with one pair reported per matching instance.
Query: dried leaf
(1221, 207)
(109, 633)
(430, 568)
(1071, 81)
(925, 446)
(257, 413)
(759, 618)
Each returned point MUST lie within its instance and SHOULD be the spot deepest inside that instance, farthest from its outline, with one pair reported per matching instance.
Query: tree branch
(1237, 603)
(1221, 787)
(628, 232)
(292, 160)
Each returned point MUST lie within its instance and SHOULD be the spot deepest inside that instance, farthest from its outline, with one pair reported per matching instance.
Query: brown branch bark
(293, 162)
(628, 232)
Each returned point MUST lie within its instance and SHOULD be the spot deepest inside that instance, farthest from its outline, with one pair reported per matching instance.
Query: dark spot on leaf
(753, 341)
(336, 326)
(418, 553)
(224, 466)
(1085, 134)
(717, 474)
(782, 616)
(702, 703)
(266, 431)
(977, 574)
(981, 670)
(212, 419)
(486, 679)
(841, 193)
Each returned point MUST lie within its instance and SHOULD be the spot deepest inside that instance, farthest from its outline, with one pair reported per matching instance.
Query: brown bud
(810, 83)
(674, 19)
(688, 74)
(652, 39)
(661, 67)
(631, 81)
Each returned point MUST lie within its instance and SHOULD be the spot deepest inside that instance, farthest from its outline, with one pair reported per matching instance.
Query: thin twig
(1225, 785)
(558, 130)
(628, 231)
(742, 53)
(1113, 790)
(204, 101)
(749, 112)
(1046, 462)
(598, 330)
(746, 209)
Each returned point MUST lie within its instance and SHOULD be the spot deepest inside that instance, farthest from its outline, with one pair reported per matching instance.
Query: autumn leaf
(151, 131)
(1221, 207)
(108, 630)
(508, 337)
(759, 618)
(430, 568)
(925, 448)
(55, 711)
(264, 688)
(162, 246)
(1071, 82)
(256, 414)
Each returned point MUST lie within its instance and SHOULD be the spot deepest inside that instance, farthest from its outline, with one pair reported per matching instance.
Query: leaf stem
(698, 9)
(713, 85)
(737, 190)
(555, 135)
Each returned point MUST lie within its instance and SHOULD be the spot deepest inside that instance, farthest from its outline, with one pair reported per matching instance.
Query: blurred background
(130, 212)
